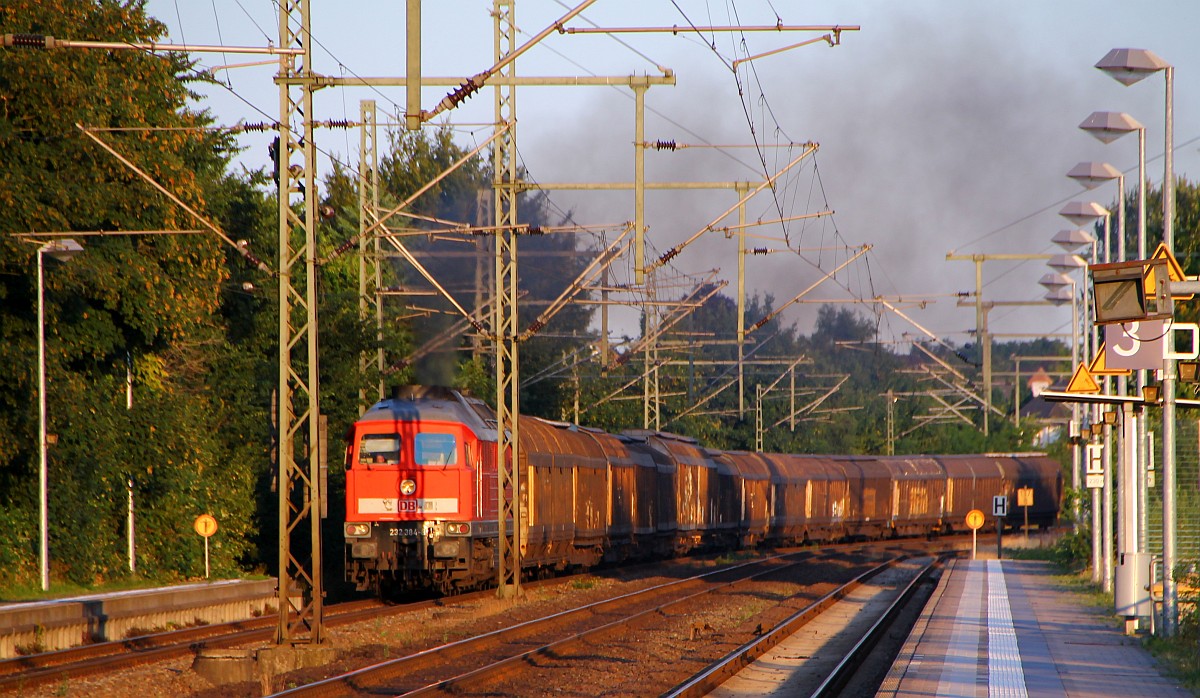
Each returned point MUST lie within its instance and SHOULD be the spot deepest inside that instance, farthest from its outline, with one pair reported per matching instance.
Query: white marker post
(974, 522)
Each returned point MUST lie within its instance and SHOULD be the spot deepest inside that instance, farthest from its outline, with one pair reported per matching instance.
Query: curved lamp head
(1129, 65)
(1093, 174)
(1108, 126)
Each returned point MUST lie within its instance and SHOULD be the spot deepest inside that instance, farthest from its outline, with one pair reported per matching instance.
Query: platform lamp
(1082, 213)
(1092, 175)
(1131, 450)
(1127, 66)
(1060, 289)
(1108, 127)
(1130, 65)
(62, 250)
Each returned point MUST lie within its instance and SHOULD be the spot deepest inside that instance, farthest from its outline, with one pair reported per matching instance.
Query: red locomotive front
(420, 489)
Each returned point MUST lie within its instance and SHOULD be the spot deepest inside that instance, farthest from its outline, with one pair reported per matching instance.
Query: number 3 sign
(1145, 344)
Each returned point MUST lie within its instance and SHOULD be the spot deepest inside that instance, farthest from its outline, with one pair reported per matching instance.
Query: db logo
(408, 487)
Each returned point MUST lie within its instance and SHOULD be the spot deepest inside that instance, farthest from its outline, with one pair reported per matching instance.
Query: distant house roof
(1046, 411)
(1039, 381)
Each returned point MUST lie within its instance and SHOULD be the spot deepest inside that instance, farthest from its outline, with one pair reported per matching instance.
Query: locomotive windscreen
(379, 448)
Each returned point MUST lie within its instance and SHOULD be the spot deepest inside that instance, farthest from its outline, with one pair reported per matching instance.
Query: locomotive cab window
(379, 449)
(435, 449)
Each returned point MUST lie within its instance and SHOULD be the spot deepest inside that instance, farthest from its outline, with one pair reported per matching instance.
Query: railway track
(660, 634)
(736, 674)
(39, 669)
(576, 652)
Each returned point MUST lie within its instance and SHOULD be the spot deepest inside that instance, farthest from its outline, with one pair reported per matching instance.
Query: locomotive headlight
(458, 529)
(357, 530)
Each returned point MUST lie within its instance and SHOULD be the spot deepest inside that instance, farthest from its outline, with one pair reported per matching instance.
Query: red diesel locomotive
(421, 499)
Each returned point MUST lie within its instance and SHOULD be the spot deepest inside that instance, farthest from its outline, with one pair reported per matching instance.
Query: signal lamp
(357, 530)
(1120, 290)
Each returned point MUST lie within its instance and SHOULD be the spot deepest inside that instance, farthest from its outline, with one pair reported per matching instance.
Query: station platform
(59, 623)
(1005, 628)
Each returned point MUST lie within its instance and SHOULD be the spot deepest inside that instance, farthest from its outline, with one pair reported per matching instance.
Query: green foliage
(1179, 650)
(195, 328)
(1072, 551)
(146, 304)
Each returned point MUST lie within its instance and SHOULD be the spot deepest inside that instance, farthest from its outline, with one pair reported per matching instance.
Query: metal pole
(1127, 490)
(1143, 449)
(129, 482)
(983, 348)
(1170, 600)
(741, 298)
(1168, 164)
(1097, 561)
(43, 504)
(1170, 608)
(891, 424)
(1106, 505)
(1076, 330)
(1105, 492)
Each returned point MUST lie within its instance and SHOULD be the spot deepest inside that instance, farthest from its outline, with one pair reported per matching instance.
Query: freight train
(421, 495)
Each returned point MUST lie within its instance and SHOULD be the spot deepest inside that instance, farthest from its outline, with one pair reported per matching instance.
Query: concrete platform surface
(1007, 628)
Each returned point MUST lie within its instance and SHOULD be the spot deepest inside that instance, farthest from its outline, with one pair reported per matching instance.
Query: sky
(942, 126)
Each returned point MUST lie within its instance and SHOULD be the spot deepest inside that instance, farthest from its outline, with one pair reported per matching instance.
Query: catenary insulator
(28, 41)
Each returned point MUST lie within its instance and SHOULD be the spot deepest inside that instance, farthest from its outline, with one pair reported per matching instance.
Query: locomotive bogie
(426, 517)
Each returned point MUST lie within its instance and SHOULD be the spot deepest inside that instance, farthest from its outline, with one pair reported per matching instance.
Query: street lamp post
(1127, 66)
(1071, 241)
(1091, 175)
(1108, 127)
(1081, 213)
(61, 250)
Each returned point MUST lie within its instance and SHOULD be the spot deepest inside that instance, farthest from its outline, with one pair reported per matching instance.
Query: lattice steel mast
(300, 495)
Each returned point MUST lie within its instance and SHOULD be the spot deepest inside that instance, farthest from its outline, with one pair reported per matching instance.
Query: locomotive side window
(435, 449)
(379, 448)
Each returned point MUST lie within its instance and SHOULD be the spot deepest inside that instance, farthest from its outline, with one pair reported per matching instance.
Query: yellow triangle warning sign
(1099, 366)
(1082, 381)
(1174, 272)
